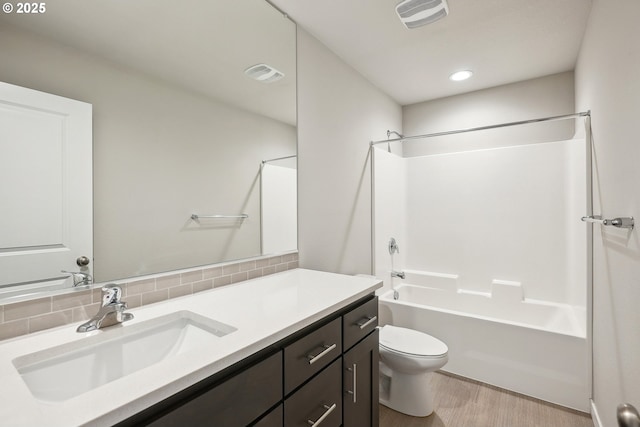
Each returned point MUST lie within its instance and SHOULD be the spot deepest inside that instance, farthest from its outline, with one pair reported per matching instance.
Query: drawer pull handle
(355, 380)
(329, 409)
(314, 358)
(366, 321)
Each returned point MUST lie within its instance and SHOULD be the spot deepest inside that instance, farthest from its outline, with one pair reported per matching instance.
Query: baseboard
(594, 415)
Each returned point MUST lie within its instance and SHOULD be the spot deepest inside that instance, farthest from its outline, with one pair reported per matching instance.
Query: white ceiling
(502, 41)
(203, 46)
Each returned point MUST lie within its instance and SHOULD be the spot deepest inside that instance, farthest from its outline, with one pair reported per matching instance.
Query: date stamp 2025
(24, 8)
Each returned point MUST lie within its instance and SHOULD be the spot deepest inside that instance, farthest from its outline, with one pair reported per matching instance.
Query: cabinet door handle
(354, 392)
(366, 321)
(314, 358)
(329, 409)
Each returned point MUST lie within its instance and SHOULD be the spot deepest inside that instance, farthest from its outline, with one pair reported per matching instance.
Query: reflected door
(46, 184)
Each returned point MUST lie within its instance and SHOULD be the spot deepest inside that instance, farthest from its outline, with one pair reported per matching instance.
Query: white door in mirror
(46, 190)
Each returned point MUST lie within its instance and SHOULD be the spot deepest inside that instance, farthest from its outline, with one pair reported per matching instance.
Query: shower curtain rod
(279, 158)
(501, 125)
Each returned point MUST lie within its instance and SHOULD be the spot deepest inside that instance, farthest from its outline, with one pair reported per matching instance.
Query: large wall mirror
(181, 134)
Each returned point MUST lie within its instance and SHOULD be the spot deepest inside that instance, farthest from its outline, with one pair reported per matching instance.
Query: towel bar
(196, 217)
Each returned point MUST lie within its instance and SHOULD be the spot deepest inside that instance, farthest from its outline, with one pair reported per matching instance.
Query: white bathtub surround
(278, 208)
(431, 279)
(507, 214)
(494, 256)
(507, 291)
(535, 348)
(263, 311)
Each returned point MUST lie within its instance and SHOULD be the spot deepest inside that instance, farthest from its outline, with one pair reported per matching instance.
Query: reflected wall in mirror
(178, 128)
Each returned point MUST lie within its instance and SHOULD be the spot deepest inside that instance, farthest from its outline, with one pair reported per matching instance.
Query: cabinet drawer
(236, 402)
(359, 322)
(311, 353)
(272, 419)
(318, 401)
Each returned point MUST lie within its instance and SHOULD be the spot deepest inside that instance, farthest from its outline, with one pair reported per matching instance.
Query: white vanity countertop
(264, 311)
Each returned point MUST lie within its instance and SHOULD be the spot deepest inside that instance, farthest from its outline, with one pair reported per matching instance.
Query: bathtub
(531, 347)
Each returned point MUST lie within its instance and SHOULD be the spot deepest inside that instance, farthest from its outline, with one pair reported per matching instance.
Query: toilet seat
(411, 342)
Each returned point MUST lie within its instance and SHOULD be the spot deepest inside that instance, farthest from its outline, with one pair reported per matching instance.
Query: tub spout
(399, 274)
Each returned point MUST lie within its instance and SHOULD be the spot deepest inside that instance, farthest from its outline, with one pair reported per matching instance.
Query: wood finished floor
(460, 402)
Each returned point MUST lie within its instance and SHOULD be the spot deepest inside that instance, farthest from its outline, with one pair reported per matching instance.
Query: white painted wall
(608, 83)
(339, 112)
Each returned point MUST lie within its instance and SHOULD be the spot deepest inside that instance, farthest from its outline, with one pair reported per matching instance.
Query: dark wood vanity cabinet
(272, 419)
(309, 354)
(360, 379)
(319, 401)
(236, 401)
(360, 365)
(325, 374)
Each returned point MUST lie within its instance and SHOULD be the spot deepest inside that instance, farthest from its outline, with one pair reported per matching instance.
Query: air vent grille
(264, 73)
(416, 13)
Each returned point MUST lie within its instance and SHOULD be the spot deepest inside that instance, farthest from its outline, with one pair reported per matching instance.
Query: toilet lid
(412, 342)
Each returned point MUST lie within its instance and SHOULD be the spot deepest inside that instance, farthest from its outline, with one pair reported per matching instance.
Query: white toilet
(407, 358)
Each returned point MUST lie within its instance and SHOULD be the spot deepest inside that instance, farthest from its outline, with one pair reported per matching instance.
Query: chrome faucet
(399, 274)
(111, 312)
(79, 278)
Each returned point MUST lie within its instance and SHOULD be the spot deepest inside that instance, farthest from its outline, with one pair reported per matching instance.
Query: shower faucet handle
(393, 246)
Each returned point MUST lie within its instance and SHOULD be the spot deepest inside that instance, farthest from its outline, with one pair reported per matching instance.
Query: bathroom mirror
(179, 128)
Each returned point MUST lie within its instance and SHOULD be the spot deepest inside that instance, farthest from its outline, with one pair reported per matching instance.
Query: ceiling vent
(416, 13)
(264, 73)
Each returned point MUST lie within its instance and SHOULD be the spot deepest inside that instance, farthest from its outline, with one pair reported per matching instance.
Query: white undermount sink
(60, 373)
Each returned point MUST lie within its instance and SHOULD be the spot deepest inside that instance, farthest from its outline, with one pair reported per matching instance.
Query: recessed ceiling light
(461, 75)
(264, 73)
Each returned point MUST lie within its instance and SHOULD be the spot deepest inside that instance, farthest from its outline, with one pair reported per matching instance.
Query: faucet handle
(393, 246)
(79, 278)
(111, 294)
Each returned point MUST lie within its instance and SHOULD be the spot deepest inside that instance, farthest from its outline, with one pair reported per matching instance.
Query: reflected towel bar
(196, 217)
(626, 222)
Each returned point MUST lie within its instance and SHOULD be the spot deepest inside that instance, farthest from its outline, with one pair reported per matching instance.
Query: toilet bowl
(407, 359)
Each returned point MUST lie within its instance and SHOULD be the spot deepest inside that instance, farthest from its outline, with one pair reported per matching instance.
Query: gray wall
(531, 99)
(608, 83)
(339, 112)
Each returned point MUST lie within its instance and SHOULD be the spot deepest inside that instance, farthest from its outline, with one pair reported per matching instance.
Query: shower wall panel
(510, 214)
(389, 211)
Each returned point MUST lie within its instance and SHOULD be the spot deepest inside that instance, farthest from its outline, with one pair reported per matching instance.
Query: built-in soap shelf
(622, 222)
(502, 290)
